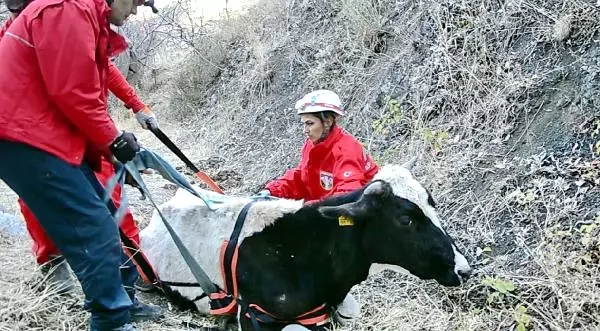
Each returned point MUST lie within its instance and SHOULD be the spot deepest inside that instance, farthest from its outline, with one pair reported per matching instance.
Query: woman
(332, 161)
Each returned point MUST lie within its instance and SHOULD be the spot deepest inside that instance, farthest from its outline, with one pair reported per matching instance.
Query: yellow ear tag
(345, 221)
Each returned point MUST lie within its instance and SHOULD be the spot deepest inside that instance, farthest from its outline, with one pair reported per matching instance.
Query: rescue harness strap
(221, 301)
(201, 277)
(257, 315)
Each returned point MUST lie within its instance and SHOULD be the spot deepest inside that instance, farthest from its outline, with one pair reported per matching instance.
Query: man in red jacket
(43, 248)
(54, 125)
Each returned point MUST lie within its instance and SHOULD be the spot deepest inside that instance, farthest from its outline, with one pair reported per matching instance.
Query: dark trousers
(67, 201)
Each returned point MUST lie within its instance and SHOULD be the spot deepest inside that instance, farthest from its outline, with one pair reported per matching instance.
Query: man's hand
(125, 147)
(146, 118)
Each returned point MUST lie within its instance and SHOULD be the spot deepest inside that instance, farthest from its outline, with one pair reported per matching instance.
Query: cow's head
(402, 227)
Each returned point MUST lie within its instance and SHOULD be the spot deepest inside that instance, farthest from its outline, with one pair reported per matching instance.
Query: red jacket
(118, 85)
(336, 165)
(53, 95)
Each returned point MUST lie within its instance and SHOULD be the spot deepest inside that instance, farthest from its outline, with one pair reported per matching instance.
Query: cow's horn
(379, 188)
(374, 188)
(410, 163)
(336, 211)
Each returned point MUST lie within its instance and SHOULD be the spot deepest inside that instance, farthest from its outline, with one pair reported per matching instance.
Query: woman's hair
(324, 115)
(16, 6)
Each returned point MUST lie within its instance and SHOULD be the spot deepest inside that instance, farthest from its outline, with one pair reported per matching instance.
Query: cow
(293, 257)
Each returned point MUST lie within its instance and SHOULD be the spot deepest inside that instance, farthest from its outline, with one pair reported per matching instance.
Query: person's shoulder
(77, 7)
(347, 144)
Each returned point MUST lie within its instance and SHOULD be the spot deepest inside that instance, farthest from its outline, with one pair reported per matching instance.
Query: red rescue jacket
(53, 93)
(118, 85)
(336, 165)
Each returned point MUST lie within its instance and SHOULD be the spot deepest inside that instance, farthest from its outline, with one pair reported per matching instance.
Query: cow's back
(202, 231)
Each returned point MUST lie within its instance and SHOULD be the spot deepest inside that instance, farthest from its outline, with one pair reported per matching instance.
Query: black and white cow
(294, 257)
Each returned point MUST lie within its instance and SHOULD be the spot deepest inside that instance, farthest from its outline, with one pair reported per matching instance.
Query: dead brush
(26, 303)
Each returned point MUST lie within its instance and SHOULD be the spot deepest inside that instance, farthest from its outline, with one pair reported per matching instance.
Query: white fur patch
(406, 186)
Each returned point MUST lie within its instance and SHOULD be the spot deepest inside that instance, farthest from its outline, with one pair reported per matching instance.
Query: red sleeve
(290, 185)
(5, 26)
(119, 86)
(65, 43)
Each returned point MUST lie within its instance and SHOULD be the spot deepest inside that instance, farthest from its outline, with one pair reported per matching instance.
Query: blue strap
(201, 277)
(119, 177)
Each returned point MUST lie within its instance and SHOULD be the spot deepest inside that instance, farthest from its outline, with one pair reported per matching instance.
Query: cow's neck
(304, 257)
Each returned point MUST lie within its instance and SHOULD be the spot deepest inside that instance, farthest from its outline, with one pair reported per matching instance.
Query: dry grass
(486, 94)
(497, 98)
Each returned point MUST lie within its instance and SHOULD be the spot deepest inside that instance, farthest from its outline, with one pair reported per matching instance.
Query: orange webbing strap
(322, 316)
(316, 317)
(224, 303)
(225, 300)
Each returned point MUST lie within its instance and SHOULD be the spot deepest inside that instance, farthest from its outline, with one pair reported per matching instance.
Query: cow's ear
(334, 212)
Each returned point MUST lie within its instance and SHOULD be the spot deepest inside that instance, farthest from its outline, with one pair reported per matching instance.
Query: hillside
(498, 99)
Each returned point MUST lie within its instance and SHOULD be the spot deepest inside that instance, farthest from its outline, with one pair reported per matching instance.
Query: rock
(170, 186)
(228, 178)
(213, 162)
(562, 28)
(11, 224)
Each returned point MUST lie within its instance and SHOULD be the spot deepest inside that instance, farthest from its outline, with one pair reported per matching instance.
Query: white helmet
(318, 101)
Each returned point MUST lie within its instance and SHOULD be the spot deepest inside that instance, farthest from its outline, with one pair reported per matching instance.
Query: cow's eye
(405, 220)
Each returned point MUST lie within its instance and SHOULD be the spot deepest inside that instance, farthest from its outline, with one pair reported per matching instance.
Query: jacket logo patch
(326, 180)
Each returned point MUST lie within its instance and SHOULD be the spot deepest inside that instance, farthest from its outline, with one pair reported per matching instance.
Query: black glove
(125, 147)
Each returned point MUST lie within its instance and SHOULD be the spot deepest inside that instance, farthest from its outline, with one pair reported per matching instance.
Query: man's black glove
(125, 147)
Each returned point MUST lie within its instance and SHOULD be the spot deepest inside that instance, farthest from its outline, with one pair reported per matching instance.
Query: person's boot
(347, 311)
(58, 275)
(142, 286)
(295, 327)
(126, 327)
(141, 312)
